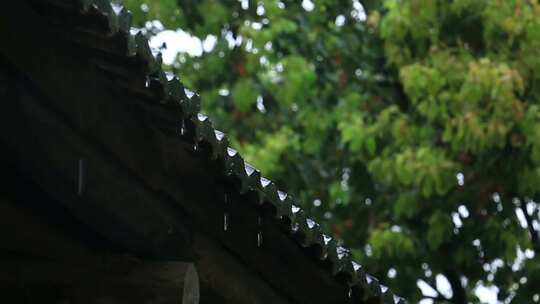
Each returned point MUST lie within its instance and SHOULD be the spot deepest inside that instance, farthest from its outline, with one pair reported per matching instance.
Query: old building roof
(102, 33)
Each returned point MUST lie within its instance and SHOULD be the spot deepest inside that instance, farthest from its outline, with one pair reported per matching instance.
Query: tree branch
(437, 298)
(458, 292)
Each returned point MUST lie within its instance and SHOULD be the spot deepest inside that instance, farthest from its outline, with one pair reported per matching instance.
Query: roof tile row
(198, 129)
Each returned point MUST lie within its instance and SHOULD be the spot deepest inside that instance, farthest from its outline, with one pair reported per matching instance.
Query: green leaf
(244, 94)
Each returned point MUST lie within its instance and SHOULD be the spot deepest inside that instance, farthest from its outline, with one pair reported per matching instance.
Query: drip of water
(225, 221)
(259, 233)
(195, 147)
(324, 256)
(182, 128)
(349, 294)
(259, 239)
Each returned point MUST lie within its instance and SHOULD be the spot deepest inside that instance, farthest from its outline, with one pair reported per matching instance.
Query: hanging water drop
(349, 294)
(324, 256)
(195, 146)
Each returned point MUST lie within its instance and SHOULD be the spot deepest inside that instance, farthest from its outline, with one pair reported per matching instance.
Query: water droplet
(80, 180)
(195, 146)
(182, 128)
(349, 294)
(324, 256)
(259, 239)
(259, 233)
(225, 221)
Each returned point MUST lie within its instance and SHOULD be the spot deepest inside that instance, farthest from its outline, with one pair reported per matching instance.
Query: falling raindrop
(195, 146)
(225, 221)
(259, 239)
(182, 128)
(259, 233)
(80, 181)
(349, 294)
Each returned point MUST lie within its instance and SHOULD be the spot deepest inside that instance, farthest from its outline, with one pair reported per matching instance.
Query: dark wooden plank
(23, 233)
(98, 281)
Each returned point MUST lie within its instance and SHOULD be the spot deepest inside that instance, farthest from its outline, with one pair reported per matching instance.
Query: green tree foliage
(413, 133)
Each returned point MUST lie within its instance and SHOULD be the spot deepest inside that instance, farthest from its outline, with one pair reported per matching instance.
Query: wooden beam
(24, 233)
(109, 280)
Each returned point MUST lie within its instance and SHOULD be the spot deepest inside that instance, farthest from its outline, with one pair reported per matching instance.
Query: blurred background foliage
(409, 129)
